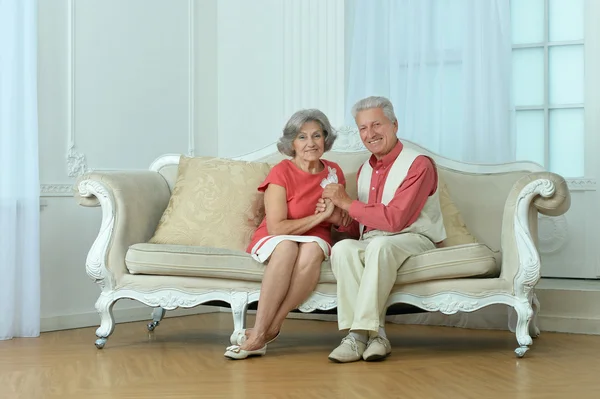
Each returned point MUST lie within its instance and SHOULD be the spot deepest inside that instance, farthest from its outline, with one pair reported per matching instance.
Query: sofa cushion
(214, 203)
(469, 260)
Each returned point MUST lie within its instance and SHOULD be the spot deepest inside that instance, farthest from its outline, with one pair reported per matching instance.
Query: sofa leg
(239, 307)
(104, 306)
(524, 315)
(534, 330)
(157, 316)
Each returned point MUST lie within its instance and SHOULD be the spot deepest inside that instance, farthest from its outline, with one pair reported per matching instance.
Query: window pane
(565, 20)
(528, 76)
(530, 136)
(527, 19)
(566, 74)
(567, 142)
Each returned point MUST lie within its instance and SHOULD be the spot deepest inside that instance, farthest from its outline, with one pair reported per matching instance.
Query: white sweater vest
(429, 223)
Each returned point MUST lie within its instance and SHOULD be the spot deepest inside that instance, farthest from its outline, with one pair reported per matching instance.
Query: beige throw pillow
(214, 203)
(456, 229)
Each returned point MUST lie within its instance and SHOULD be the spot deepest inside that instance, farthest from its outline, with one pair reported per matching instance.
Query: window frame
(591, 96)
(546, 107)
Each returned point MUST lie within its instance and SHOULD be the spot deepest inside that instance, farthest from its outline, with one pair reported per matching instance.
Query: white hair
(375, 102)
(295, 123)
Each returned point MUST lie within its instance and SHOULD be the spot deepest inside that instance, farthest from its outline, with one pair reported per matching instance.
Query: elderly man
(397, 215)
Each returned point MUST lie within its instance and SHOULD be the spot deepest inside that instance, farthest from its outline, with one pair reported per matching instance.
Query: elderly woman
(292, 239)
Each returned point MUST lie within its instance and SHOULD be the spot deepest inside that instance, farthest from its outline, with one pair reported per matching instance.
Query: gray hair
(295, 123)
(375, 102)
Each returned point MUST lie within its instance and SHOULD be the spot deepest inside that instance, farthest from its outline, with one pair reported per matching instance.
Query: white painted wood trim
(76, 160)
(191, 81)
(95, 264)
(90, 319)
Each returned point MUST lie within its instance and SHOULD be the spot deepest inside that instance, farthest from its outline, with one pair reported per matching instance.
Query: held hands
(326, 210)
(338, 216)
(337, 194)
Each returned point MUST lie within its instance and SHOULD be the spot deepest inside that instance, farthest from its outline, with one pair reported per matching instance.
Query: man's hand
(338, 195)
(344, 219)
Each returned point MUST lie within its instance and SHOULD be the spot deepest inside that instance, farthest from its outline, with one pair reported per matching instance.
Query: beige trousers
(366, 271)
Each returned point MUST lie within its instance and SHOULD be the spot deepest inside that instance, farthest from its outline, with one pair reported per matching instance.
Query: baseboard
(484, 319)
(572, 325)
(91, 319)
(569, 306)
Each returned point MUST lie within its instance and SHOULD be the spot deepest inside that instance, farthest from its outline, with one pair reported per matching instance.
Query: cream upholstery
(490, 257)
(470, 260)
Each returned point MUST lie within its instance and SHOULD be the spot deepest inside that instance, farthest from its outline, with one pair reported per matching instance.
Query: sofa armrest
(132, 204)
(538, 192)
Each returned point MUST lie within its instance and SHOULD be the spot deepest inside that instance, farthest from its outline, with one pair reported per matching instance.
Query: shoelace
(378, 339)
(352, 342)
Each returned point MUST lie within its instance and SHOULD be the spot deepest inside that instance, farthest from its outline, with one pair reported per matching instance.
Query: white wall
(274, 58)
(569, 244)
(124, 82)
(120, 83)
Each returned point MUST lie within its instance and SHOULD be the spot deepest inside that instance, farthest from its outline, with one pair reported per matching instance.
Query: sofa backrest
(478, 191)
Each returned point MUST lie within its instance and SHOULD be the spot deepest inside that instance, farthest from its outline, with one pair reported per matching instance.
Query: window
(548, 83)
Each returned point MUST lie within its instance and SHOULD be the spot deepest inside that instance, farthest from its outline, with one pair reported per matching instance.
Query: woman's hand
(338, 217)
(329, 208)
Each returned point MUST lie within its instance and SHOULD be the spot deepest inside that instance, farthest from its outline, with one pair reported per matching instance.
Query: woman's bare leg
(305, 277)
(273, 290)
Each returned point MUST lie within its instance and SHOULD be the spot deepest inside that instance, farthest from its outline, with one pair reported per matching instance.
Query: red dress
(303, 190)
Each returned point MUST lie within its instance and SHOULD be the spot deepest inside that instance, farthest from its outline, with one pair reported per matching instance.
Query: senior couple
(397, 214)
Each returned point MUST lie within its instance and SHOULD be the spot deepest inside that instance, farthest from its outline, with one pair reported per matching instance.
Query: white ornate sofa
(497, 264)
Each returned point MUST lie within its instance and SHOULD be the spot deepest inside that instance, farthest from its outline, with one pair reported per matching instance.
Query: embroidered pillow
(214, 203)
(456, 229)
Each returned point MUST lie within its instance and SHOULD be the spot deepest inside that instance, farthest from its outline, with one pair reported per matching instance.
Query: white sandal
(236, 353)
(239, 337)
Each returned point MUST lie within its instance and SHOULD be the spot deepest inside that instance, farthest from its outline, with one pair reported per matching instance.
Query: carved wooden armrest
(132, 204)
(542, 192)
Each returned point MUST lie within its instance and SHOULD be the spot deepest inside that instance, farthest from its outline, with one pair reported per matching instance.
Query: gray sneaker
(377, 348)
(350, 350)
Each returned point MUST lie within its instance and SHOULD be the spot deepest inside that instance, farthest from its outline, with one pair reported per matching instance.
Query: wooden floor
(183, 358)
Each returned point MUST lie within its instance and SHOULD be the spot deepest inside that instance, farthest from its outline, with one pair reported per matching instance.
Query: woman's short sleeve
(276, 176)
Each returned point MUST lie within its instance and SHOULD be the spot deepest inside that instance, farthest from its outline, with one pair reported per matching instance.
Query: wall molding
(582, 184)
(56, 190)
(553, 233)
(191, 151)
(76, 160)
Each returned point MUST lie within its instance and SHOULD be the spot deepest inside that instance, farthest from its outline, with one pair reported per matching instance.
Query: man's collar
(389, 158)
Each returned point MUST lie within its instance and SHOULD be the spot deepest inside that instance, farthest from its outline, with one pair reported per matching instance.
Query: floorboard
(183, 358)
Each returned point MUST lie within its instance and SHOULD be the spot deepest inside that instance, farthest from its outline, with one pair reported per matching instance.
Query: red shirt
(303, 190)
(407, 203)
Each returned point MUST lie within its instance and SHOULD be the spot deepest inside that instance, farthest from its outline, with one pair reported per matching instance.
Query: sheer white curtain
(446, 67)
(19, 175)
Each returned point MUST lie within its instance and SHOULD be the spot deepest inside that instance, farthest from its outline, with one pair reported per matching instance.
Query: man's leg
(347, 264)
(384, 255)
